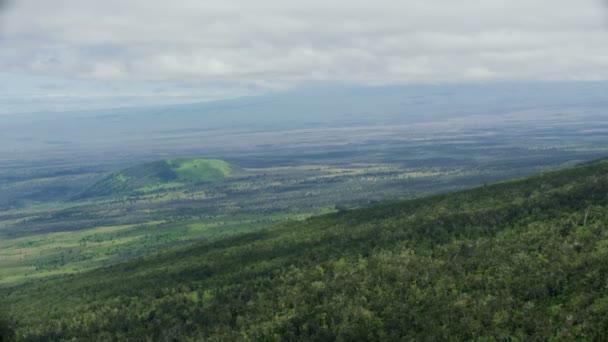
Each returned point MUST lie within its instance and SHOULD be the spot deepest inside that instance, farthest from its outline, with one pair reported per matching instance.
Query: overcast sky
(203, 49)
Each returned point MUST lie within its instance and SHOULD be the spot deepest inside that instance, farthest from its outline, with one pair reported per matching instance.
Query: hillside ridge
(523, 259)
(160, 174)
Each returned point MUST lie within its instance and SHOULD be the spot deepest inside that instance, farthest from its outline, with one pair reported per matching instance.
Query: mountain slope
(522, 260)
(159, 174)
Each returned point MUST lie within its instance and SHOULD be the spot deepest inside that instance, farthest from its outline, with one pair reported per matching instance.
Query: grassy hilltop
(161, 174)
(518, 260)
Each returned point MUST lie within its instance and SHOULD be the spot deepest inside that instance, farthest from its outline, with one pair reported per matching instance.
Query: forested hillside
(520, 260)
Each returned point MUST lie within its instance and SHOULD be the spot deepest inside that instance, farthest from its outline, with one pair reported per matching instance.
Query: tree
(7, 333)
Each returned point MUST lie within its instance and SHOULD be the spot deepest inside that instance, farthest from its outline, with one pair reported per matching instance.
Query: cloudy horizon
(187, 50)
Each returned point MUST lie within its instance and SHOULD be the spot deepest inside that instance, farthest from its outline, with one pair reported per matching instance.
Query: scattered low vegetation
(65, 237)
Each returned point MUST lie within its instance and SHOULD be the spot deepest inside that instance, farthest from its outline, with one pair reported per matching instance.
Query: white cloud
(279, 42)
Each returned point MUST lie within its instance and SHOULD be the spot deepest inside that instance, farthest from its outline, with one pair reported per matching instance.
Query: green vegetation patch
(160, 175)
(200, 170)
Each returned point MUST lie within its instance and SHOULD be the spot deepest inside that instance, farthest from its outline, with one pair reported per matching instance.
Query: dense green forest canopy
(518, 260)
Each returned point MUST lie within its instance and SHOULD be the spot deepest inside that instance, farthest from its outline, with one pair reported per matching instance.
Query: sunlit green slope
(161, 174)
(520, 260)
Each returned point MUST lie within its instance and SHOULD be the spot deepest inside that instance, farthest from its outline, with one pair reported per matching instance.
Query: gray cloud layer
(281, 42)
